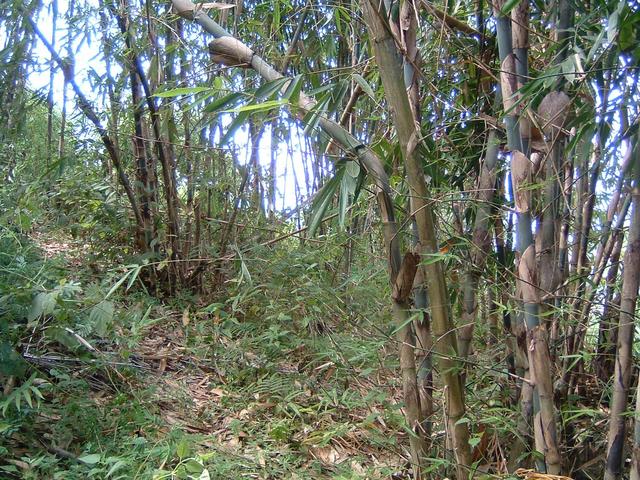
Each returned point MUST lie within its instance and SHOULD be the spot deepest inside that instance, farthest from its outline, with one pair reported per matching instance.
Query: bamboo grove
(490, 148)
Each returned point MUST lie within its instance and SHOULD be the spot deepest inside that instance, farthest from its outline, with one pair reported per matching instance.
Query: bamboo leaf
(244, 270)
(120, 464)
(345, 191)
(596, 46)
(133, 276)
(176, 92)
(292, 93)
(258, 107)
(337, 96)
(36, 392)
(268, 89)
(118, 283)
(366, 88)
(359, 184)
(400, 326)
(91, 459)
(612, 23)
(323, 198)
(353, 169)
(508, 6)
(223, 102)
(312, 118)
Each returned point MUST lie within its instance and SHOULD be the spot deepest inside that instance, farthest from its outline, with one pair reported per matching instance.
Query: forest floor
(261, 384)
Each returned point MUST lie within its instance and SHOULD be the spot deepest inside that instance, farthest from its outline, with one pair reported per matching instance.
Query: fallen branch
(47, 360)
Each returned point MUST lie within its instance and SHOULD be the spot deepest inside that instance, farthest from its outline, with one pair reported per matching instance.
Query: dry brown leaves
(533, 475)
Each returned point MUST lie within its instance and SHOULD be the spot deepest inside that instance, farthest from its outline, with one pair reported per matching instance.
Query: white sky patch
(89, 61)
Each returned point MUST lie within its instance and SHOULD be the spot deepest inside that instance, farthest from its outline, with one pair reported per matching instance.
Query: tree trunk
(624, 353)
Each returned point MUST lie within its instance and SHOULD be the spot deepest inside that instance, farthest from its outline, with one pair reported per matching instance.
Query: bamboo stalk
(390, 68)
(513, 59)
(624, 352)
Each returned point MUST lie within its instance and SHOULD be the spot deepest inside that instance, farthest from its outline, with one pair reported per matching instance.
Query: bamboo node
(404, 281)
(521, 171)
(231, 52)
(527, 273)
(553, 113)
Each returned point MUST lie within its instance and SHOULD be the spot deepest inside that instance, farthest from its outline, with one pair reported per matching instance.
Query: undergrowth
(286, 375)
(290, 372)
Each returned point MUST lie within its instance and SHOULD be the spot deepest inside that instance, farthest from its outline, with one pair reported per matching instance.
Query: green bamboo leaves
(346, 182)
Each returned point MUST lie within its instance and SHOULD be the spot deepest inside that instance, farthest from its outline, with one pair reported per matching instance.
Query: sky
(289, 161)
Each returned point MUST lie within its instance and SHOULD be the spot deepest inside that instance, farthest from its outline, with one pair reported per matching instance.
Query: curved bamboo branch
(188, 10)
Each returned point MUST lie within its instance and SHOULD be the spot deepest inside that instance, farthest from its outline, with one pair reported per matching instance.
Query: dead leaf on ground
(218, 392)
(162, 366)
(533, 475)
(328, 455)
